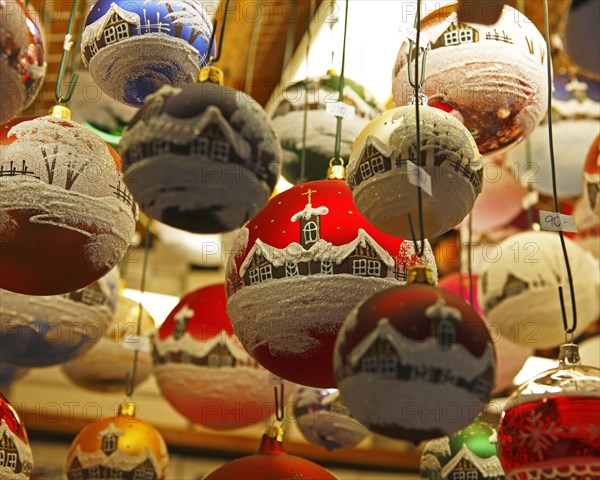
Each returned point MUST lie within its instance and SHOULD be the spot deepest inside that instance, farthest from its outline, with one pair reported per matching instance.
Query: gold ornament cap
(336, 171)
(211, 74)
(276, 431)
(127, 409)
(420, 274)
(60, 111)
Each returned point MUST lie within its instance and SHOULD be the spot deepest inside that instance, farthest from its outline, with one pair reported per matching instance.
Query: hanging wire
(211, 43)
(470, 256)
(130, 378)
(419, 247)
(530, 189)
(67, 45)
(568, 330)
(311, 15)
(338, 130)
(252, 50)
(279, 402)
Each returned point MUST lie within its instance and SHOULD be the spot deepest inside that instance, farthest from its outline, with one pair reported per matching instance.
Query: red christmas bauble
(414, 362)
(66, 218)
(270, 463)
(296, 271)
(16, 460)
(203, 371)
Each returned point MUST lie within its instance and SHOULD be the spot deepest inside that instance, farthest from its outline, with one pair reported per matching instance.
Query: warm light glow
(158, 305)
(533, 367)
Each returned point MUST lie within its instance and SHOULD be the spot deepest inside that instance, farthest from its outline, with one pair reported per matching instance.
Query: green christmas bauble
(469, 454)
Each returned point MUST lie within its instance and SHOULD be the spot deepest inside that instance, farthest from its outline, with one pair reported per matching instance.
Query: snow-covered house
(90, 295)
(456, 34)
(444, 320)
(512, 286)
(11, 459)
(465, 465)
(116, 25)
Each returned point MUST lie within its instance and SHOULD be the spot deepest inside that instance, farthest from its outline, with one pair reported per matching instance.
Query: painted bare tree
(190, 13)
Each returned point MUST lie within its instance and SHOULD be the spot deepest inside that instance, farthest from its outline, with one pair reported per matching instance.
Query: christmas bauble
(105, 366)
(325, 421)
(203, 158)
(510, 357)
(120, 446)
(66, 217)
(383, 159)
(22, 65)
(203, 371)
(470, 453)
(132, 49)
(38, 331)
(591, 177)
(549, 426)
(16, 460)
(575, 125)
(588, 227)
(589, 351)
(414, 362)
(270, 463)
(288, 121)
(524, 277)
(491, 77)
(296, 271)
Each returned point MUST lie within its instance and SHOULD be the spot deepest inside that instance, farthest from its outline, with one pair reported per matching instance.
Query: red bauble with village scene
(296, 271)
(16, 460)
(202, 369)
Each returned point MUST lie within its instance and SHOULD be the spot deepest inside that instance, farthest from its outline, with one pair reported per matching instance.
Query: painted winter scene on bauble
(134, 48)
(296, 271)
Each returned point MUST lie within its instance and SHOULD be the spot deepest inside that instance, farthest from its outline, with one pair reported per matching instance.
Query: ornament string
(470, 256)
(311, 14)
(211, 43)
(420, 75)
(130, 378)
(279, 402)
(252, 50)
(67, 45)
(568, 329)
(338, 130)
(530, 189)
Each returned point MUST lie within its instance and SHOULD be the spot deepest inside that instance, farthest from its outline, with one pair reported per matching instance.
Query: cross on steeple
(309, 192)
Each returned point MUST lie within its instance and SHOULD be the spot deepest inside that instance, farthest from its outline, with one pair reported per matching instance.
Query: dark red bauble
(270, 463)
(414, 362)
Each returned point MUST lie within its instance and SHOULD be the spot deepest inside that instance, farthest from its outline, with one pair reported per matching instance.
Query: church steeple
(310, 221)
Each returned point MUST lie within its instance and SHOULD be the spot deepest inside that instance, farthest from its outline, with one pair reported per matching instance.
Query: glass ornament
(66, 216)
(414, 362)
(202, 158)
(104, 368)
(15, 453)
(491, 77)
(296, 271)
(132, 49)
(22, 64)
(120, 446)
(550, 426)
(383, 163)
(587, 210)
(522, 274)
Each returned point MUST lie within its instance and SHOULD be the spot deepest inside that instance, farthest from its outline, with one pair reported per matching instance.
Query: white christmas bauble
(519, 290)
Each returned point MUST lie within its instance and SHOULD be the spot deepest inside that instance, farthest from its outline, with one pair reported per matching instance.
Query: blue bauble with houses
(133, 48)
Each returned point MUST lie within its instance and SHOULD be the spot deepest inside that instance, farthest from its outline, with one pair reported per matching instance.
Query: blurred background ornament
(549, 425)
(296, 271)
(203, 371)
(22, 64)
(325, 421)
(312, 96)
(38, 331)
(589, 350)
(525, 277)
(491, 77)
(581, 37)
(203, 158)
(66, 217)
(15, 452)
(383, 159)
(105, 366)
(470, 453)
(270, 463)
(591, 177)
(414, 362)
(134, 49)
(119, 446)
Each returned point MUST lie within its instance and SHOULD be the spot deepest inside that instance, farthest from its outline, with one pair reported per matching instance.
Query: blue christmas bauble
(134, 48)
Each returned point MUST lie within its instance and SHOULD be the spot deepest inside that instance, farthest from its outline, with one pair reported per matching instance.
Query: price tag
(340, 109)
(531, 199)
(136, 342)
(411, 34)
(419, 177)
(557, 222)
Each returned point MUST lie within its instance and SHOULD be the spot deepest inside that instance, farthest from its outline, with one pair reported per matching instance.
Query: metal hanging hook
(67, 45)
(279, 402)
(211, 43)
